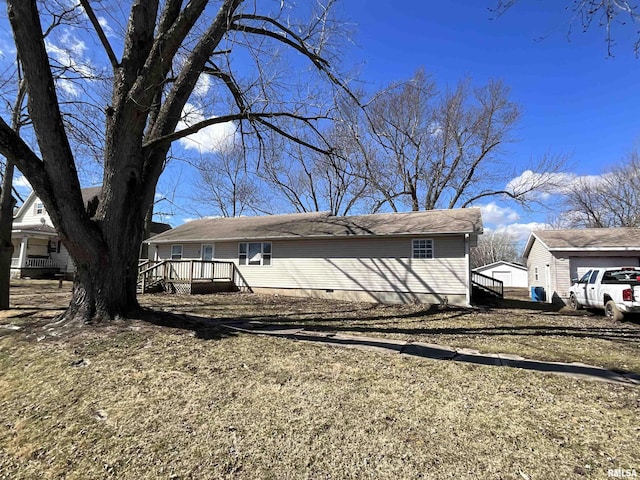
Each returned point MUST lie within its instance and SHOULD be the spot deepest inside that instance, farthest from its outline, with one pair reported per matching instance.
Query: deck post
(190, 271)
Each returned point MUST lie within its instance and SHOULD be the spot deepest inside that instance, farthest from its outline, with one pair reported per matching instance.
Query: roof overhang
(304, 237)
(32, 233)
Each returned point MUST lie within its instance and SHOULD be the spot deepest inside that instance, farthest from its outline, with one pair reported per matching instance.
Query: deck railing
(189, 271)
(489, 284)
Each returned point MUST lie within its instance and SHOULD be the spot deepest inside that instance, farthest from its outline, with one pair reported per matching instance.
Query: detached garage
(510, 274)
(555, 257)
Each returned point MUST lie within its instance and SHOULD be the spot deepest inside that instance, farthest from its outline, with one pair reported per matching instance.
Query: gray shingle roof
(308, 225)
(90, 192)
(590, 238)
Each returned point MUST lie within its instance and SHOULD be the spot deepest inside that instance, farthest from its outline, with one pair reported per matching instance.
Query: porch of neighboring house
(36, 256)
(190, 276)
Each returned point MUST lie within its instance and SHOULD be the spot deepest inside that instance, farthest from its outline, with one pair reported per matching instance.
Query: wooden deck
(190, 276)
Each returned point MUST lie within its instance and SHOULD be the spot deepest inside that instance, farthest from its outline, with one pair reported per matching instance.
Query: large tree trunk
(7, 202)
(103, 293)
(104, 288)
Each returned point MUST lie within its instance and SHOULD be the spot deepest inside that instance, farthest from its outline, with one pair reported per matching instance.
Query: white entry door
(207, 261)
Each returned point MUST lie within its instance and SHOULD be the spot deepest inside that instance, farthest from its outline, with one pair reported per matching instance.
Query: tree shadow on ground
(437, 352)
(203, 327)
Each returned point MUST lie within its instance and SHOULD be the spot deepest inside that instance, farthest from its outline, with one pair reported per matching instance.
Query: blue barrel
(538, 294)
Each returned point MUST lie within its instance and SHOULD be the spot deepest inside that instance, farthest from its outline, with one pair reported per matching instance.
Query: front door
(207, 261)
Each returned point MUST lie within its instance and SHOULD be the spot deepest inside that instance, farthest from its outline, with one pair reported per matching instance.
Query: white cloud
(104, 23)
(520, 231)
(214, 138)
(70, 54)
(190, 219)
(496, 215)
(549, 183)
(203, 85)
(20, 181)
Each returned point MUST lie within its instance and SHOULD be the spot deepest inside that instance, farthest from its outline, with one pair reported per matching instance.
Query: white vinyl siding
(28, 215)
(539, 256)
(510, 275)
(370, 264)
(190, 251)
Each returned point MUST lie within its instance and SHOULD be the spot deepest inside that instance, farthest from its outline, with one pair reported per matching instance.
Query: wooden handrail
(488, 283)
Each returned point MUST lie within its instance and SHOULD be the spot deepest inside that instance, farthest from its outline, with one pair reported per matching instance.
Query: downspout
(467, 260)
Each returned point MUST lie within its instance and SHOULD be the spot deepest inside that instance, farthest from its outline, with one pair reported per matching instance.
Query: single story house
(388, 258)
(555, 257)
(510, 274)
(37, 249)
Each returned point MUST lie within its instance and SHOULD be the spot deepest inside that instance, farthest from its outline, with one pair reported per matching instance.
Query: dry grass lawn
(143, 401)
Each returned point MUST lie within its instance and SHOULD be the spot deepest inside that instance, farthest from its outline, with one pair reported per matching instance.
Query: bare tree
(428, 149)
(610, 200)
(495, 246)
(318, 181)
(609, 15)
(166, 48)
(227, 183)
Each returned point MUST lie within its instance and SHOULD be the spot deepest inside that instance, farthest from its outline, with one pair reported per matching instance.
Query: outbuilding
(555, 257)
(510, 274)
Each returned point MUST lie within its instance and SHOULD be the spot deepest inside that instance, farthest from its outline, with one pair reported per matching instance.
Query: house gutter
(298, 237)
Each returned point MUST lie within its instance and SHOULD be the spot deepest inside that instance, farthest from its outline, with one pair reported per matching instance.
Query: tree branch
(100, 32)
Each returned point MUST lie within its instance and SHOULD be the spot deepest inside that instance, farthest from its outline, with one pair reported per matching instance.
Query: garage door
(579, 265)
(505, 277)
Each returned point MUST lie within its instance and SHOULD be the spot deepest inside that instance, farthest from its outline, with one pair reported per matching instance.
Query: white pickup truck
(616, 290)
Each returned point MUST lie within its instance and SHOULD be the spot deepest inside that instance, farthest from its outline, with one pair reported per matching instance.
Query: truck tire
(573, 302)
(611, 311)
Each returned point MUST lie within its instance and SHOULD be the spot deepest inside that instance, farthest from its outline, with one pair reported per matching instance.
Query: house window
(422, 248)
(176, 252)
(535, 273)
(254, 253)
(38, 208)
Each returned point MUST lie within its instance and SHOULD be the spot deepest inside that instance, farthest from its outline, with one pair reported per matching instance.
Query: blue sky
(576, 101)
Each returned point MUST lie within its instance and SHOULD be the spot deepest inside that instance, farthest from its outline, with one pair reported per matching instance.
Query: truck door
(592, 291)
(581, 288)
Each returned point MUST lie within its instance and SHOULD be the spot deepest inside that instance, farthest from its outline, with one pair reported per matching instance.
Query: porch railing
(35, 263)
(189, 271)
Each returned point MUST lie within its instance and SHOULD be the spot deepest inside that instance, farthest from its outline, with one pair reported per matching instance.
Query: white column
(22, 259)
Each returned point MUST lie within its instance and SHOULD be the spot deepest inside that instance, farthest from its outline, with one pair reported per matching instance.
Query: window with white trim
(535, 274)
(254, 253)
(38, 208)
(176, 252)
(422, 248)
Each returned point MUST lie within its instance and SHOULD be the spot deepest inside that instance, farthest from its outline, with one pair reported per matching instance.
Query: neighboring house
(390, 258)
(555, 257)
(37, 250)
(510, 274)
